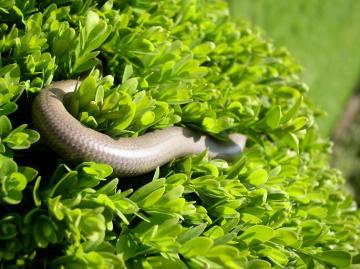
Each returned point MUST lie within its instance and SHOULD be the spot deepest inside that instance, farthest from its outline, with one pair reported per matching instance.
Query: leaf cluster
(151, 64)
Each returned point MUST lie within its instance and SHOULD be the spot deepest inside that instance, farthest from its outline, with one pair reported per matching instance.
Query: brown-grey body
(128, 156)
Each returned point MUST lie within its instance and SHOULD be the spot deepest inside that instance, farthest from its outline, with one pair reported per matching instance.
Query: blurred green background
(324, 36)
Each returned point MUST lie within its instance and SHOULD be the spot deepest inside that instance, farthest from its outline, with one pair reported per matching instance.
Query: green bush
(322, 35)
(165, 62)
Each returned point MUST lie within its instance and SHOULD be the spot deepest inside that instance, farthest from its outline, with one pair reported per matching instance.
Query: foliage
(171, 62)
(319, 42)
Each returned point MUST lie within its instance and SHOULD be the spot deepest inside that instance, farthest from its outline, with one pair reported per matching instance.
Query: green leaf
(13, 187)
(18, 140)
(87, 91)
(258, 177)
(226, 253)
(99, 170)
(217, 125)
(257, 234)
(8, 108)
(127, 114)
(197, 246)
(28, 172)
(126, 245)
(87, 120)
(130, 86)
(291, 113)
(16, 181)
(286, 237)
(279, 257)
(142, 193)
(338, 258)
(7, 166)
(62, 181)
(215, 232)
(176, 179)
(97, 31)
(299, 123)
(152, 198)
(111, 101)
(128, 71)
(5, 126)
(236, 167)
(44, 232)
(292, 140)
(13, 197)
(318, 212)
(85, 62)
(92, 225)
(204, 49)
(191, 233)
(109, 188)
(34, 136)
(8, 228)
(147, 118)
(273, 117)
(63, 41)
(258, 264)
(99, 96)
(311, 230)
(36, 196)
(160, 262)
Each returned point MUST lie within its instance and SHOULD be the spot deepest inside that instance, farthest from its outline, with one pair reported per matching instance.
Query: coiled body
(128, 156)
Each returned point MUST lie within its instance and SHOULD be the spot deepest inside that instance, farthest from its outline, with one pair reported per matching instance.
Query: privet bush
(147, 65)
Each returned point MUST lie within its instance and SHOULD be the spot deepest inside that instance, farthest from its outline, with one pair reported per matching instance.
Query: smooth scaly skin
(128, 156)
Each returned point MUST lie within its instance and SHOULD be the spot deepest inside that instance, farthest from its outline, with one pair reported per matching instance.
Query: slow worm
(128, 156)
